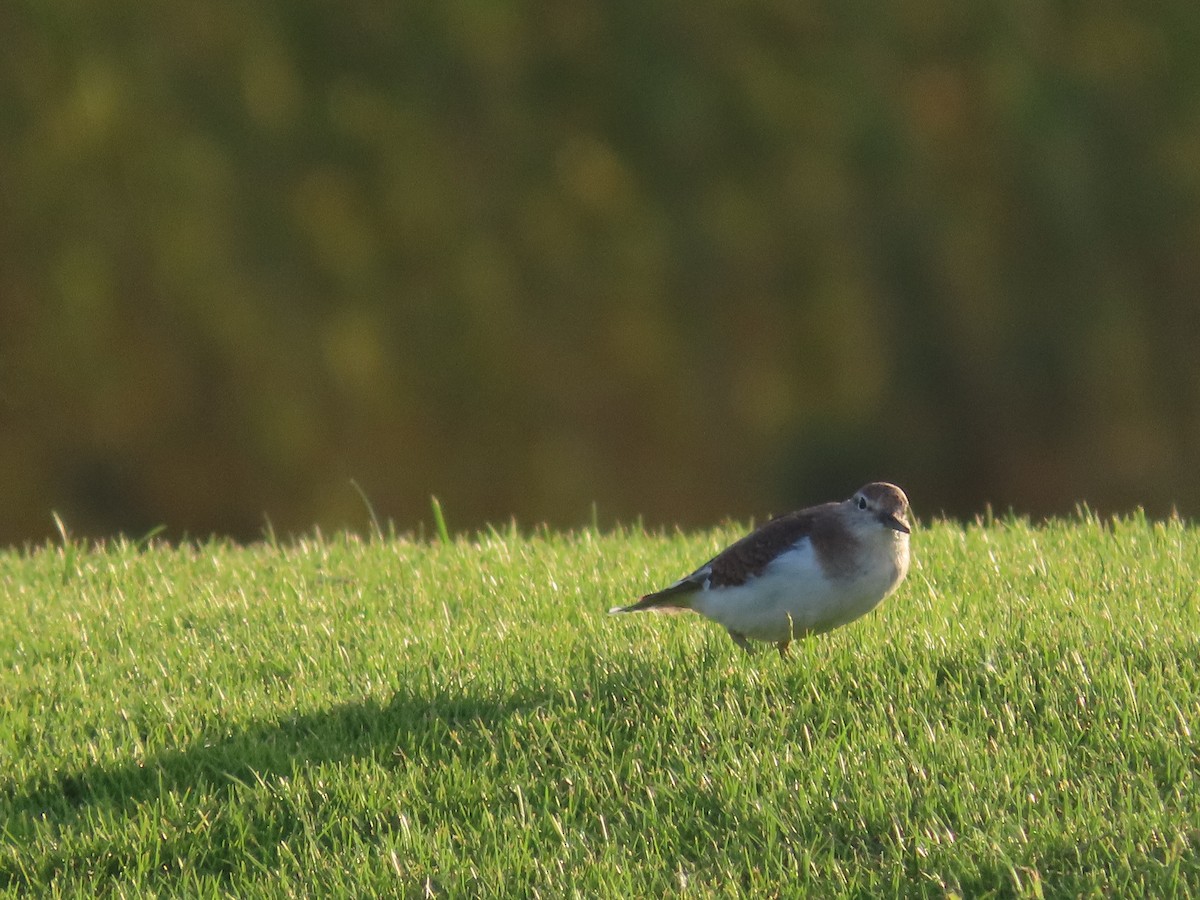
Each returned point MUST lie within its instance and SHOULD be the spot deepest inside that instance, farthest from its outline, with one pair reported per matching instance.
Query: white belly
(793, 597)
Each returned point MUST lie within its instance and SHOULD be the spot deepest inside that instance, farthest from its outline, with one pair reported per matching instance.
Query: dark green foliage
(689, 261)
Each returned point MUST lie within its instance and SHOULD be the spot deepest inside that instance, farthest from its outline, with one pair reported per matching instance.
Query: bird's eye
(862, 502)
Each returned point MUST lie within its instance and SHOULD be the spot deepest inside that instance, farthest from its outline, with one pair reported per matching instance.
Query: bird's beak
(892, 521)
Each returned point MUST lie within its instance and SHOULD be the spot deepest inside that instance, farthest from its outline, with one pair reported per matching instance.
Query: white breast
(793, 596)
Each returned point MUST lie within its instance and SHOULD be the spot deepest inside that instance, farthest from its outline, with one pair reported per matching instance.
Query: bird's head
(883, 504)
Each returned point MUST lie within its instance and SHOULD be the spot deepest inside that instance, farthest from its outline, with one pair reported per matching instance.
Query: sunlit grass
(393, 717)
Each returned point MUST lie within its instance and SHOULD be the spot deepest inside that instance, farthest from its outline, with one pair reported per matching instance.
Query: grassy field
(409, 718)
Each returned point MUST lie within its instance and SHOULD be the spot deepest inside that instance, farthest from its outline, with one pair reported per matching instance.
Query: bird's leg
(783, 645)
(741, 641)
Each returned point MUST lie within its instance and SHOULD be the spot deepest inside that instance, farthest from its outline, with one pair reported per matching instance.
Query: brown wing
(748, 557)
(743, 560)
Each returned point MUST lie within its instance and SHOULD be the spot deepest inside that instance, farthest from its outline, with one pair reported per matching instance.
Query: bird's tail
(669, 599)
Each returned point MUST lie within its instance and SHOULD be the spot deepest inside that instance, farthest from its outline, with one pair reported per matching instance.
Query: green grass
(390, 717)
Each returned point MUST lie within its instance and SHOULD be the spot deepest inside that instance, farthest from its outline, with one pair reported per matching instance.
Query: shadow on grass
(270, 748)
(420, 725)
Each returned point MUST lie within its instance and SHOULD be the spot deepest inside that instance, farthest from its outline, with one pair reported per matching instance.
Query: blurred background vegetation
(685, 261)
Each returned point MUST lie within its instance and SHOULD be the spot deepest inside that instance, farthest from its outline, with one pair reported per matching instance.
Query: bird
(802, 573)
